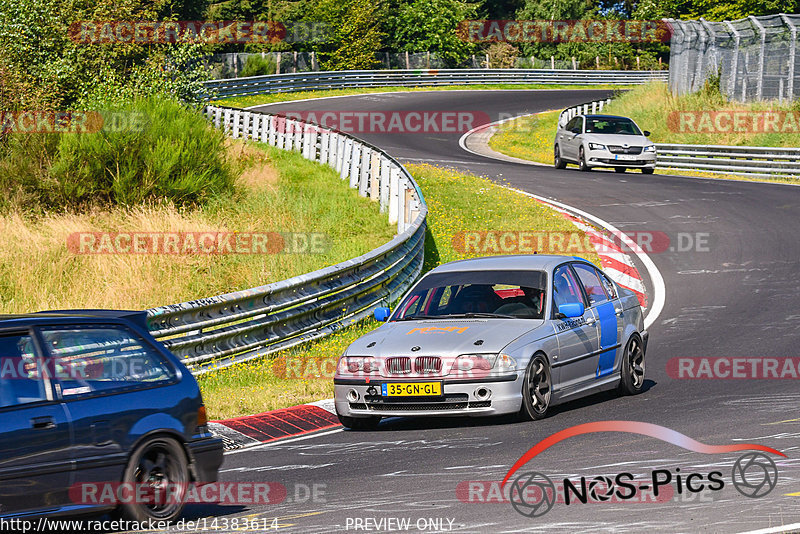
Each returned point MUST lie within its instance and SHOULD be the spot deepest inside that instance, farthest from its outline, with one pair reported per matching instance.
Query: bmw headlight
(479, 365)
(596, 146)
(357, 365)
(650, 148)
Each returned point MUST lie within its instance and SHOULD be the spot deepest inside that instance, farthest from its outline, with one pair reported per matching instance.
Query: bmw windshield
(490, 294)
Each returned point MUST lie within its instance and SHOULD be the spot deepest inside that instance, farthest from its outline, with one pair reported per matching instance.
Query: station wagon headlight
(358, 365)
(596, 146)
(650, 148)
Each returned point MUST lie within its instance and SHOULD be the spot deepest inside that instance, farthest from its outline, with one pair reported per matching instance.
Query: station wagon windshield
(611, 125)
(489, 294)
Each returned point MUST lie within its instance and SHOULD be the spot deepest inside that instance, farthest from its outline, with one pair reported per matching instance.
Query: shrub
(160, 151)
(258, 66)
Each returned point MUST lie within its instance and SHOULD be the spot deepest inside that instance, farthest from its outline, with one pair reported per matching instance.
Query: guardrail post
(401, 204)
(333, 150)
(323, 147)
(594, 108)
(266, 120)
(309, 142)
(363, 174)
(246, 116)
(254, 131)
(374, 176)
(355, 159)
(236, 115)
(347, 153)
(394, 192)
(384, 184)
(280, 131)
(226, 126)
(217, 117)
(298, 136)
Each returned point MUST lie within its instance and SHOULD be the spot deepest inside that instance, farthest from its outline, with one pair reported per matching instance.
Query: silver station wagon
(495, 335)
(603, 141)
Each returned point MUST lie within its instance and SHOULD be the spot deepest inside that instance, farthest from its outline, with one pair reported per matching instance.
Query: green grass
(261, 99)
(457, 203)
(277, 191)
(529, 138)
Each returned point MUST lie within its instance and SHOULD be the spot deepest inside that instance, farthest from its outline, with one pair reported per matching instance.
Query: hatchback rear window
(89, 359)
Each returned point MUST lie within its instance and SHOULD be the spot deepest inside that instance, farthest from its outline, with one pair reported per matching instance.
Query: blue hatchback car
(89, 399)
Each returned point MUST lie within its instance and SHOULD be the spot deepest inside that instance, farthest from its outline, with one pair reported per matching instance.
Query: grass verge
(272, 98)
(457, 203)
(276, 191)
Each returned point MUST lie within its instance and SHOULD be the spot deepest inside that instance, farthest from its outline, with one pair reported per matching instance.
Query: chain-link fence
(755, 58)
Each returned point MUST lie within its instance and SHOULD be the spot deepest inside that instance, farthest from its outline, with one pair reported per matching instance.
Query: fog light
(483, 393)
(352, 395)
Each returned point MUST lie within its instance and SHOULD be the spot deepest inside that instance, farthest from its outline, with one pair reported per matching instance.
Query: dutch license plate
(624, 157)
(411, 389)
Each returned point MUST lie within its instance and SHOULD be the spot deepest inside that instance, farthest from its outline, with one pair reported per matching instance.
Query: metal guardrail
(302, 81)
(720, 159)
(222, 330)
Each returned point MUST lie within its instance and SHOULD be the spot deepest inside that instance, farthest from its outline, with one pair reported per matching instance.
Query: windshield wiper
(415, 317)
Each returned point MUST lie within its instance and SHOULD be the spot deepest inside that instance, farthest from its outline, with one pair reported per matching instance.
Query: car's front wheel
(158, 477)
(582, 161)
(537, 389)
(359, 423)
(632, 379)
(558, 163)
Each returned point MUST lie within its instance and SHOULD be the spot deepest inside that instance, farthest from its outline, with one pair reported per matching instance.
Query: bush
(258, 66)
(160, 151)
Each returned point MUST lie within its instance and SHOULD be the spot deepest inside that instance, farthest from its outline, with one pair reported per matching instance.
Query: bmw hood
(442, 337)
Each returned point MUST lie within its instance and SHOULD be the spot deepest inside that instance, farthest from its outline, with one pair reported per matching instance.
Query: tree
(353, 32)
(430, 26)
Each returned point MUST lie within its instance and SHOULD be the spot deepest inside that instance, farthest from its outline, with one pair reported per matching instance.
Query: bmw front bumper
(471, 397)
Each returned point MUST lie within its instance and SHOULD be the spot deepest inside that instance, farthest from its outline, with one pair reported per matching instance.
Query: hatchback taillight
(202, 418)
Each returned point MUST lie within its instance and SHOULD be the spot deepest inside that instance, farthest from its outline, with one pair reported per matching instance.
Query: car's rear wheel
(647, 171)
(359, 423)
(558, 163)
(582, 161)
(537, 389)
(632, 379)
(620, 169)
(158, 477)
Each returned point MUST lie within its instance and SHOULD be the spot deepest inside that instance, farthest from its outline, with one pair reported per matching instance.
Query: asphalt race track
(735, 296)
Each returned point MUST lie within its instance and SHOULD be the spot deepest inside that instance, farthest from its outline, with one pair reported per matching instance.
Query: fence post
(266, 120)
(401, 204)
(552, 62)
(236, 114)
(487, 61)
(246, 126)
(734, 61)
(408, 63)
(278, 64)
(298, 135)
(792, 55)
(763, 33)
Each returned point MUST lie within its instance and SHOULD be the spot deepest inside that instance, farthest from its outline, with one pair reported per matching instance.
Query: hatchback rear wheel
(157, 476)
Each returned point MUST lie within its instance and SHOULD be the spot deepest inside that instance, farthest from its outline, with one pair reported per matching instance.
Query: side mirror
(646, 133)
(382, 313)
(572, 309)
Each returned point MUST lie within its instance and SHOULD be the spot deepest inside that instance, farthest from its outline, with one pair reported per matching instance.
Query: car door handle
(43, 423)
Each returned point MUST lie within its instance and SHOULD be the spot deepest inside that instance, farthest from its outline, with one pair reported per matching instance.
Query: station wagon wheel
(582, 161)
(558, 163)
(158, 475)
(537, 389)
(632, 378)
